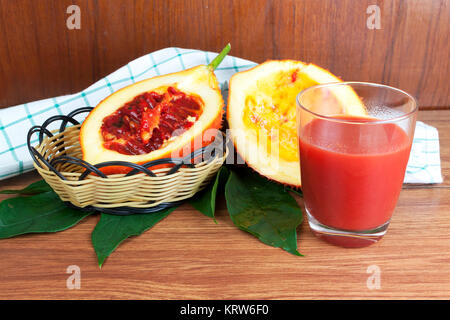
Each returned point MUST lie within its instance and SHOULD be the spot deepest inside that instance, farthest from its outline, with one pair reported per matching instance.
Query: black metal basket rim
(209, 150)
(38, 158)
(125, 210)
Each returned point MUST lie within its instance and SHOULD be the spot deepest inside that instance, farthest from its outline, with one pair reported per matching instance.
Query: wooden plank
(187, 256)
(410, 51)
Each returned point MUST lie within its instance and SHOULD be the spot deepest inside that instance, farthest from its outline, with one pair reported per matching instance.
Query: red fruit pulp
(143, 124)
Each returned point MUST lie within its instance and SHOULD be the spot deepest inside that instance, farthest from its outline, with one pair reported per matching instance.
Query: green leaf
(35, 188)
(295, 190)
(205, 200)
(264, 209)
(111, 230)
(44, 212)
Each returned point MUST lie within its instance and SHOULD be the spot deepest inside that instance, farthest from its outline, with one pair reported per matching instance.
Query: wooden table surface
(187, 256)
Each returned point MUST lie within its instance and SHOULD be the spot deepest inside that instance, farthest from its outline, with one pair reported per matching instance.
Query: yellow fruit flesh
(270, 110)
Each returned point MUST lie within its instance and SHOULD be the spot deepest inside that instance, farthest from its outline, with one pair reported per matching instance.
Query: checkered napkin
(424, 165)
(16, 121)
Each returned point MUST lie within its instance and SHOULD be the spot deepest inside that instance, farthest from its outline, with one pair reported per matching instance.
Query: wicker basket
(57, 158)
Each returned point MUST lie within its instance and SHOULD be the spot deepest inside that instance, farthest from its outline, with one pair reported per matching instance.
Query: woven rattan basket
(58, 160)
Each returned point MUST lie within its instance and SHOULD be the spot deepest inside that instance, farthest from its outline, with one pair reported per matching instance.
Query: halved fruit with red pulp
(156, 118)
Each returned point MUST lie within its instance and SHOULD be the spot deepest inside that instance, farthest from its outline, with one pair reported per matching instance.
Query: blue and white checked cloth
(423, 167)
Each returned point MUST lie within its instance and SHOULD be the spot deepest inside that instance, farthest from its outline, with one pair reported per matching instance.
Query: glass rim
(367, 84)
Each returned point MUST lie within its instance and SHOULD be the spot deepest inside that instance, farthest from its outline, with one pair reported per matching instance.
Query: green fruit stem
(217, 60)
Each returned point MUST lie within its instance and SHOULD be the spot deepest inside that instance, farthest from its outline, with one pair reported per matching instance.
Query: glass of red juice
(354, 140)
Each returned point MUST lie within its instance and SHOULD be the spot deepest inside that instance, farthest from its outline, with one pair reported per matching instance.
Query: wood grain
(187, 256)
(40, 57)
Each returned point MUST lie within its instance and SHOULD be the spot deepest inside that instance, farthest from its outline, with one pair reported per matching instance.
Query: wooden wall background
(40, 57)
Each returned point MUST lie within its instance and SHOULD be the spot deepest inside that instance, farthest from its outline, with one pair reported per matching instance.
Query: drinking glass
(354, 139)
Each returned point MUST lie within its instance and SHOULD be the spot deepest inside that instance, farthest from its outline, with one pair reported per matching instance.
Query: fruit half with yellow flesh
(154, 119)
(261, 114)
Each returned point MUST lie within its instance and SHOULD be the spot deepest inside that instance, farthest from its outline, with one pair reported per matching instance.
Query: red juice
(352, 173)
